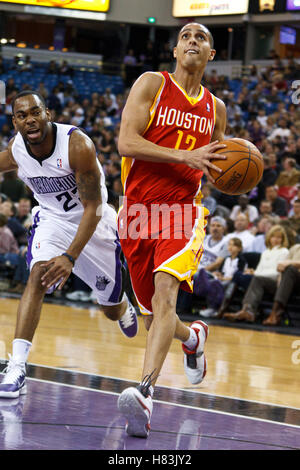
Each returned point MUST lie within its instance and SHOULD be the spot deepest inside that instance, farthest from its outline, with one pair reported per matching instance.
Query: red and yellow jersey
(176, 121)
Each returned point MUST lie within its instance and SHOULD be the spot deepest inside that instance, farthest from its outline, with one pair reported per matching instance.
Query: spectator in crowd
(108, 95)
(54, 103)
(262, 117)
(208, 200)
(112, 172)
(215, 289)
(9, 210)
(294, 220)
(42, 90)
(107, 144)
(130, 58)
(243, 207)
(52, 67)
(12, 186)
(215, 245)
(273, 164)
(148, 57)
(279, 204)
(289, 280)
(290, 176)
(23, 214)
(297, 196)
(261, 228)
(65, 68)
(165, 58)
(257, 133)
(277, 251)
(268, 178)
(282, 131)
(214, 253)
(10, 86)
(10, 255)
(26, 66)
(233, 109)
(265, 208)
(8, 243)
(242, 232)
(262, 99)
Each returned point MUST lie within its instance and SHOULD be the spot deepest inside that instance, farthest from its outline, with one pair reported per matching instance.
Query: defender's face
(31, 119)
(193, 46)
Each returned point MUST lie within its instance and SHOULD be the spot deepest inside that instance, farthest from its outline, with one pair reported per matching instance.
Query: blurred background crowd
(260, 108)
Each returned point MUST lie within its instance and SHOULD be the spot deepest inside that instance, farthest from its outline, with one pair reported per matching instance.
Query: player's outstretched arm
(82, 158)
(135, 118)
(7, 162)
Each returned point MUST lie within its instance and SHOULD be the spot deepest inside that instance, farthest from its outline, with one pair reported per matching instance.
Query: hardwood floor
(244, 364)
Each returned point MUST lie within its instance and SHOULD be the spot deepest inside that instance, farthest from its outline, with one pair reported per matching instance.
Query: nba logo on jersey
(59, 163)
(37, 245)
(207, 107)
(101, 282)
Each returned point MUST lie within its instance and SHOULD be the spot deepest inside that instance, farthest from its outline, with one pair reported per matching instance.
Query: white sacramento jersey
(212, 250)
(51, 178)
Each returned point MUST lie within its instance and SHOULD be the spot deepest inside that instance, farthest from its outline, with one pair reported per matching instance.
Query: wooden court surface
(244, 364)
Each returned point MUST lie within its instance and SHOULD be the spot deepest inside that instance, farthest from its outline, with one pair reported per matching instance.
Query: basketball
(242, 170)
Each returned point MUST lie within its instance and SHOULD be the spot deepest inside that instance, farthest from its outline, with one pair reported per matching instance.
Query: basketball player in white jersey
(74, 229)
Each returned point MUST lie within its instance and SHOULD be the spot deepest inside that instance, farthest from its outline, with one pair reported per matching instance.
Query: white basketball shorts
(98, 265)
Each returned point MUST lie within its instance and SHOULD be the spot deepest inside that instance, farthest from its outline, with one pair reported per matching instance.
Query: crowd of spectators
(260, 108)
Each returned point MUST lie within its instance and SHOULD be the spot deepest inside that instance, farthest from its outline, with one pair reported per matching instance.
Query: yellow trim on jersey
(215, 107)
(198, 196)
(126, 164)
(184, 264)
(193, 101)
(155, 102)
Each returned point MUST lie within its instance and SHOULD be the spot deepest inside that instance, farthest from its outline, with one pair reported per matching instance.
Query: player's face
(31, 119)
(193, 46)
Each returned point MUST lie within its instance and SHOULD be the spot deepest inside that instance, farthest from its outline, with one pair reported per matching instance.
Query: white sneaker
(194, 360)
(78, 295)
(208, 313)
(13, 384)
(137, 410)
(128, 323)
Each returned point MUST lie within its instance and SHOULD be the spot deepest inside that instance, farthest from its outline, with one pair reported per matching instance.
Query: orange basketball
(242, 170)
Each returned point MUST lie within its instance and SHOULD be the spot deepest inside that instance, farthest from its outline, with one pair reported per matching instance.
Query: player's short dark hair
(25, 93)
(210, 36)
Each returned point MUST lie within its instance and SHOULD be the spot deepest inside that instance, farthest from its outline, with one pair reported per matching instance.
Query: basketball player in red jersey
(171, 126)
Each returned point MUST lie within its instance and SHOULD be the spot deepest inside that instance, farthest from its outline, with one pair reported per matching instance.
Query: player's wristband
(70, 258)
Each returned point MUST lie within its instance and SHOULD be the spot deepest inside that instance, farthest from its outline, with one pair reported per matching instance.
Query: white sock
(125, 299)
(151, 390)
(20, 350)
(192, 341)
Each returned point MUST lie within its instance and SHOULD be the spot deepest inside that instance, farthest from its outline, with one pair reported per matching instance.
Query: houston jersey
(176, 121)
(51, 178)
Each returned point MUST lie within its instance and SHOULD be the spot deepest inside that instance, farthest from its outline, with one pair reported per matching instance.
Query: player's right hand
(200, 158)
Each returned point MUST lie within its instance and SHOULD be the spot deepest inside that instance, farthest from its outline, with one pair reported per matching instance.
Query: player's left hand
(58, 271)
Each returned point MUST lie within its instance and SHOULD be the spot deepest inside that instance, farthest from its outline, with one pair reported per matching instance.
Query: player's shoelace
(128, 318)
(13, 371)
(146, 383)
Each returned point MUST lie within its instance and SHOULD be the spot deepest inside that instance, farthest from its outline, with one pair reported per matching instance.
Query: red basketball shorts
(161, 237)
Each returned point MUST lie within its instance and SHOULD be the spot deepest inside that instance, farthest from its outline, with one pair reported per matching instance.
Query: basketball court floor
(80, 362)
